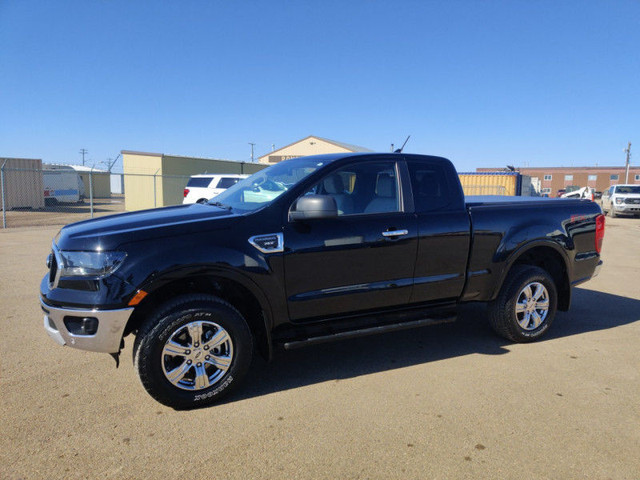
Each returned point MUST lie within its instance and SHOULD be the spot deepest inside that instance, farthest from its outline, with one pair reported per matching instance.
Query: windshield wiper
(219, 205)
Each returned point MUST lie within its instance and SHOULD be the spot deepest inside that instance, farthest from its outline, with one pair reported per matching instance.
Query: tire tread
(502, 322)
(141, 354)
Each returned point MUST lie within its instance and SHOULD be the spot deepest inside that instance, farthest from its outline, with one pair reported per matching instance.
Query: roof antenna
(399, 150)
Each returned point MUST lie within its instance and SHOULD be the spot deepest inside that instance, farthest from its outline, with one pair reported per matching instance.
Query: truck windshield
(628, 189)
(263, 187)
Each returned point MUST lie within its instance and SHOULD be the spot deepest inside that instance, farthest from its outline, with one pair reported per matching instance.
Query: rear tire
(525, 306)
(192, 351)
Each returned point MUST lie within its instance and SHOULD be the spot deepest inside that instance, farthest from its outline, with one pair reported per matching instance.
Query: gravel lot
(449, 401)
(62, 214)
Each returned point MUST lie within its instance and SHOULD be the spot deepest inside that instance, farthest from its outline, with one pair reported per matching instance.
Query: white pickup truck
(621, 200)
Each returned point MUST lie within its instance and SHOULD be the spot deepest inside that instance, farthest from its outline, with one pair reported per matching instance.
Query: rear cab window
(430, 186)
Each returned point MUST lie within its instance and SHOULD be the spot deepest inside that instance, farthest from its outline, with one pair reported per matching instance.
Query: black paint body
(339, 267)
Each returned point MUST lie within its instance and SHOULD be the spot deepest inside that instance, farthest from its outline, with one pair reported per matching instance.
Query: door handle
(395, 233)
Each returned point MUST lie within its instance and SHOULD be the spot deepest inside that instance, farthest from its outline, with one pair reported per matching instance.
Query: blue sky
(484, 83)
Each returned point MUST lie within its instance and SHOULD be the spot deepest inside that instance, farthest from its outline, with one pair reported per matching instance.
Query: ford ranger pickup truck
(306, 251)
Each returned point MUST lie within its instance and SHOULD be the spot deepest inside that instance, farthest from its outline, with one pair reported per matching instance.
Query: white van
(61, 184)
(201, 188)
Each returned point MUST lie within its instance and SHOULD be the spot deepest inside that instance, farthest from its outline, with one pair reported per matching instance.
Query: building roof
(347, 146)
(84, 168)
(77, 168)
(150, 154)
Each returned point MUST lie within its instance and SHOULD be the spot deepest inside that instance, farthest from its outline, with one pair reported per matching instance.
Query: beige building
(310, 145)
(100, 181)
(158, 180)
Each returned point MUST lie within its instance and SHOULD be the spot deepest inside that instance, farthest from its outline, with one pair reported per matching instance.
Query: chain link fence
(39, 197)
(42, 197)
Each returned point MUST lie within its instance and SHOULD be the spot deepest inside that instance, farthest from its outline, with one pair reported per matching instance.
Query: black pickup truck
(306, 251)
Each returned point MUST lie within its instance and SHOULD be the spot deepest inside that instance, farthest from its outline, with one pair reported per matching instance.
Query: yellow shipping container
(491, 183)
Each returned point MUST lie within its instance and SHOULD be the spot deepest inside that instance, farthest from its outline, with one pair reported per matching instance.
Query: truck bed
(480, 200)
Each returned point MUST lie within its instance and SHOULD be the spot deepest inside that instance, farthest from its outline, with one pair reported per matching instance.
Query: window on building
(568, 178)
(547, 177)
(593, 178)
(637, 178)
(546, 190)
(614, 177)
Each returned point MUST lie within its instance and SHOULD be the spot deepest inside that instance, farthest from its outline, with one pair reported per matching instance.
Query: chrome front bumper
(111, 325)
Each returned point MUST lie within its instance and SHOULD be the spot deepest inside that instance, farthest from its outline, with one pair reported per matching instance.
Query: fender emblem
(268, 243)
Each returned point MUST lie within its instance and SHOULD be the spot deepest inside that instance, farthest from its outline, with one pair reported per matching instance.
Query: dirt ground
(449, 401)
(62, 214)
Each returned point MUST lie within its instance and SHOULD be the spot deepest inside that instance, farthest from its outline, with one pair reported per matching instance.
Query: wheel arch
(550, 257)
(233, 288)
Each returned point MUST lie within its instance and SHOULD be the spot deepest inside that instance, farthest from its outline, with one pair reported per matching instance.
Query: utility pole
(628, 152)
(252, 145)
(83, 151)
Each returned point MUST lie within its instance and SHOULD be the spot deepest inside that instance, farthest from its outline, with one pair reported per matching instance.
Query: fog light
(81, 325)
(52, 325)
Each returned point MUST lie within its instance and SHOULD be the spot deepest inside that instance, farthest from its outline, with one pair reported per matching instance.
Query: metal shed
(100, 180)
(21, 183)
(158, 180)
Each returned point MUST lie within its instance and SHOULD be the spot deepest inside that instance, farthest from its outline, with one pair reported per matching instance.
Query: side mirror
(314, 206)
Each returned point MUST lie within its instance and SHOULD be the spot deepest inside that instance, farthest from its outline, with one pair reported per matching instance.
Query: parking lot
(449, 401)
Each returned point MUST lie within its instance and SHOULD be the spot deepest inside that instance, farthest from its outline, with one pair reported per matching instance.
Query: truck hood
(109, 232)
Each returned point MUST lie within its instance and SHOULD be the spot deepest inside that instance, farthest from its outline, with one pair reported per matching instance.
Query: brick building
(553, 179)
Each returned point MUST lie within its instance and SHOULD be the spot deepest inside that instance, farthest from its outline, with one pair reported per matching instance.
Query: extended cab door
(443, 229)
(363, 258)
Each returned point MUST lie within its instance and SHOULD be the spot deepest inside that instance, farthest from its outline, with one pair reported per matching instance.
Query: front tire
(192, 351)
(525, 306)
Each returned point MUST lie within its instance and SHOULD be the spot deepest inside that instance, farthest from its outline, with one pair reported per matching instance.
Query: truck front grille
(632, 201)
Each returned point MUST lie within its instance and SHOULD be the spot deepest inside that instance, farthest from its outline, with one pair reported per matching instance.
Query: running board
(363, 332)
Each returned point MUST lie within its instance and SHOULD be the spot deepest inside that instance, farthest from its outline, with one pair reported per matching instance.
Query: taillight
(599, 232)
(186, 192)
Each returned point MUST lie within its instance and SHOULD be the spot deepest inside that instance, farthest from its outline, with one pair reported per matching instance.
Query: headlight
(619, 200)
(90, 264)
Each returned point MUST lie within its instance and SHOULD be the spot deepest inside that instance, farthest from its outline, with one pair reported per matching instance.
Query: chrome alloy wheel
(197, 355)
(532, 306)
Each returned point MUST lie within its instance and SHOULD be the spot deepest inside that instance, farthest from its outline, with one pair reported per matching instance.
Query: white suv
(203, 187)
(621, 200)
